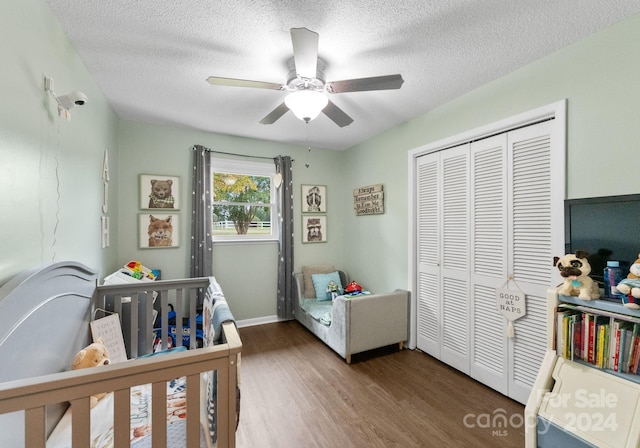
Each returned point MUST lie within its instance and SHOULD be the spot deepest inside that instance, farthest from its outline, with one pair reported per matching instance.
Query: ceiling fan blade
(387, 82)
(234, 82)
(275, 114)
(337, 115)
(305, 51)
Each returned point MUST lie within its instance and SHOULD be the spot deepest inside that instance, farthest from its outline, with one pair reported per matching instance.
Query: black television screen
(607, 227)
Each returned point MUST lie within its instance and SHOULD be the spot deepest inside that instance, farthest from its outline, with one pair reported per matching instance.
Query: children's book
(109, 329)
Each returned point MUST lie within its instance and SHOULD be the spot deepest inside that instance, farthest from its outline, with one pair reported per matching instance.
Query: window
(244, 207)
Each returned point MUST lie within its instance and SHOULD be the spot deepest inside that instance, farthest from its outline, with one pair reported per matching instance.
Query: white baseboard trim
(259, 321)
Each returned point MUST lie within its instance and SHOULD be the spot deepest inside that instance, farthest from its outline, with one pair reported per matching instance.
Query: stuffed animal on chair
(93, 355)
(575, 269)
(630, 286)
(353, 287)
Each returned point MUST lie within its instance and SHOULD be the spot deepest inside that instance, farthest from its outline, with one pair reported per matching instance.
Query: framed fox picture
(158, 230)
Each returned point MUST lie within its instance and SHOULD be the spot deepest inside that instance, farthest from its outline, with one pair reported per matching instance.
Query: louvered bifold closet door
(429, 307)
(532, 198)
(488, 260)
(454, 269)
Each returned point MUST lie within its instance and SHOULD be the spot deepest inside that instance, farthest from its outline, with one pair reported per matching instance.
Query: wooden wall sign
(368, 200)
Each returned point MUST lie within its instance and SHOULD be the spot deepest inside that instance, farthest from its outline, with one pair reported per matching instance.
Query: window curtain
(285, 239)
(201, 239)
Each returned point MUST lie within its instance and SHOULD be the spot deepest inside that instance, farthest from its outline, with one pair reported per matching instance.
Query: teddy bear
(161, 195)
(630, 286)
(93, 355)
(575, 269)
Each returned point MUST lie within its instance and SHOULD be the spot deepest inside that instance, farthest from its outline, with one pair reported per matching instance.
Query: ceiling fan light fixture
(306, 104)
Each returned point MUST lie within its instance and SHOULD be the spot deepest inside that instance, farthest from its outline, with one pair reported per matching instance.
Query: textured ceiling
(151, 58)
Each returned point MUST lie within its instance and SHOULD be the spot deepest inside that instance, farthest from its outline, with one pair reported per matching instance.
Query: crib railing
(34, 394)
(138, 303)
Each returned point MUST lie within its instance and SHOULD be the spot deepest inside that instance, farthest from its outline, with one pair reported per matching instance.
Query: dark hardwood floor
(296, 392)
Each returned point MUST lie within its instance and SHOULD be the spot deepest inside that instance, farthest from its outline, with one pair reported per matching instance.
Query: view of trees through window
(241, 204)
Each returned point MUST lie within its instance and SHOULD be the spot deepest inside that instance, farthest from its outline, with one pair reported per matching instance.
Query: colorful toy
(353, 287)
(575, 269)
(173, 331)
(136, 270)
(332, 290)
(630, 286)
(93, 355)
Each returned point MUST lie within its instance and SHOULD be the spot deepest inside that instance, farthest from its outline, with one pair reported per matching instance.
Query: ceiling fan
(307, 82)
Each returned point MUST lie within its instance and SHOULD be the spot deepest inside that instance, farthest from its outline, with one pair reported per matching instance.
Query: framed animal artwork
(159, 191)
(314, 229)
(314, 199)
(158, 230)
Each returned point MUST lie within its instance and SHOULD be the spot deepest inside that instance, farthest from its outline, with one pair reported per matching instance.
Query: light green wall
(246, 272)
(598, 76)
(41, 155)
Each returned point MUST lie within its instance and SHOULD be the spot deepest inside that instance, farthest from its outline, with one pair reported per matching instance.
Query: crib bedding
(102, 418)
(216, 312)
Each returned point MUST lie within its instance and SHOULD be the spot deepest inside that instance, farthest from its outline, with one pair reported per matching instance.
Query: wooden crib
(44, 321)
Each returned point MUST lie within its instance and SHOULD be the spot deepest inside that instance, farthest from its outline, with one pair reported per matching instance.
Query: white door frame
(557, 110)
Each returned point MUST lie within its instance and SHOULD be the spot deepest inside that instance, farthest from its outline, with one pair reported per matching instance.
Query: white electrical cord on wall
(57, 173)
(65, 104)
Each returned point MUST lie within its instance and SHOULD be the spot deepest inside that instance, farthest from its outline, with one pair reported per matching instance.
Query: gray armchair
(358, 323)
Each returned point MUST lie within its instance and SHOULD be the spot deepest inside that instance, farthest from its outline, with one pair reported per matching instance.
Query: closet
(488, 210)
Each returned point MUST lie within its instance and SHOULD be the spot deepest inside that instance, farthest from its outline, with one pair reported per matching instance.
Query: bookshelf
(602, 306)
(599, 335)
(587, 392)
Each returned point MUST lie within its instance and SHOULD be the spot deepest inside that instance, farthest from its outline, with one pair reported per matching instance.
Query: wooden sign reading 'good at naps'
(368, 200)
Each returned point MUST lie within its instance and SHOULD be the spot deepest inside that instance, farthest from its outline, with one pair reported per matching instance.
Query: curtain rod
(239, 155)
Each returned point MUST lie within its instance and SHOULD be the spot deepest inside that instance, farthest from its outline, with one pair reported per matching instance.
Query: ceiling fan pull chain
(308, 144)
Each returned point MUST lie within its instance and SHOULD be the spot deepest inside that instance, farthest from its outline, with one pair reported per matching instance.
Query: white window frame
(267, 169)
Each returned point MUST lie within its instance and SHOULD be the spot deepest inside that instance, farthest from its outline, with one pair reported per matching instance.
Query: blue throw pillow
(320, 282)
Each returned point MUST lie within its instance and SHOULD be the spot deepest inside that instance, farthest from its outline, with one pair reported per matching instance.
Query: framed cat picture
(159, 191)
(158, 230)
